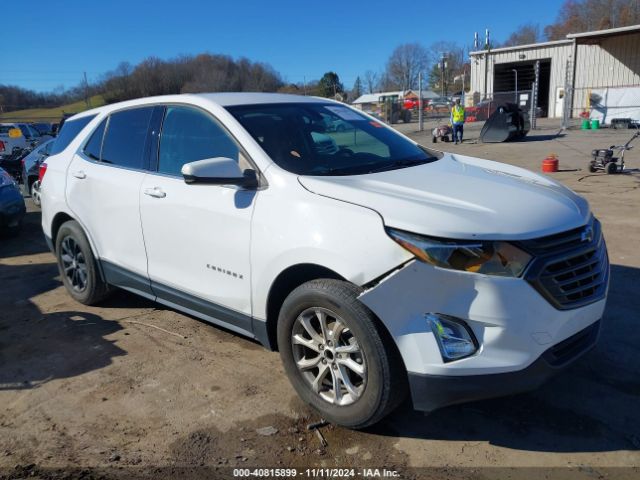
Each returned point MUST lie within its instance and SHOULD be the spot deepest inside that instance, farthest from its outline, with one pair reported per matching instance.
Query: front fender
(345, 238)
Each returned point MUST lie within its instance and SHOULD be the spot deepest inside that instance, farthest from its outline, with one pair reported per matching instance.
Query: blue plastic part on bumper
(431, 392)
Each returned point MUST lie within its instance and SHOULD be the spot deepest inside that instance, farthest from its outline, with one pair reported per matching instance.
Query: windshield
(327, 139)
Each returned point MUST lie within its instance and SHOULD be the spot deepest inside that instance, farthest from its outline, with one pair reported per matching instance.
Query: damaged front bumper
(522, 339)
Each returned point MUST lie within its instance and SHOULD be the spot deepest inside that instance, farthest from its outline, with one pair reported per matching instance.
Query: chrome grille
(570, 269)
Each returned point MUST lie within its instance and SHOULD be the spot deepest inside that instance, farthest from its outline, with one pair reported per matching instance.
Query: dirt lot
(132, 388)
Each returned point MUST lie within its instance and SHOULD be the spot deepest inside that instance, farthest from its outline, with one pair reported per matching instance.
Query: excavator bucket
(507, 123)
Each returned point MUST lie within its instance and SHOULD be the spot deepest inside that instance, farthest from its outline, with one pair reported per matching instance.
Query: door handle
(79, 174)
(156, 192)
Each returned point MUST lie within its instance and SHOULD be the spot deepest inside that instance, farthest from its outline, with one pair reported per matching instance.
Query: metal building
(570, 73)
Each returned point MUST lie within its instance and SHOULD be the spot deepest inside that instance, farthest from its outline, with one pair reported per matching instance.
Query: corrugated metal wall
(558, 53)
(608, 62)
(611, 62)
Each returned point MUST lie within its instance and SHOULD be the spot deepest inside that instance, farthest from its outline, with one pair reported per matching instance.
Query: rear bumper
(431, 392)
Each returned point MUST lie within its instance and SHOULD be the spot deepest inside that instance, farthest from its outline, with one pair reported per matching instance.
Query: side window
(33, 132)
(25, 131)
(94, 146)
(70, 129)
(189, 134)
(125, 138)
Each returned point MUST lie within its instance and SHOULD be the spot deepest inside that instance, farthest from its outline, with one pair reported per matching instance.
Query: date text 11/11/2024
(315, 473)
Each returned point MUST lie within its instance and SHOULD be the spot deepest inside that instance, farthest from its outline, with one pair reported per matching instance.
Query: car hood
(461, 197)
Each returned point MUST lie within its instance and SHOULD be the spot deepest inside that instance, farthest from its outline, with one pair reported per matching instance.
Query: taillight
(41, 171)
(1, 146)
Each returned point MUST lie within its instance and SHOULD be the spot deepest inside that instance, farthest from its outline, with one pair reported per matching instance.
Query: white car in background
(375, 266)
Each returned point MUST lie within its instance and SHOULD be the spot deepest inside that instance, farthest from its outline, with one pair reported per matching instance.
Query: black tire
(592, 167)
(386, 383)
(95, 289)
(434, 139)
(13, 230)
(611, 168)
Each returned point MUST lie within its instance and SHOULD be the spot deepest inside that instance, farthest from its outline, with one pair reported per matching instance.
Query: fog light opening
(454, 337)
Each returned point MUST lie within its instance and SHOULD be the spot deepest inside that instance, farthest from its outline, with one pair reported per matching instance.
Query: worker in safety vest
(457, 121)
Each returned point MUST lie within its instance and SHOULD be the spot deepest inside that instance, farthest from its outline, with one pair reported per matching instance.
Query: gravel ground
(132, 388)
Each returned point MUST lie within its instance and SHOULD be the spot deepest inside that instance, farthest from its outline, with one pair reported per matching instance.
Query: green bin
(595, 124)
(586, 124)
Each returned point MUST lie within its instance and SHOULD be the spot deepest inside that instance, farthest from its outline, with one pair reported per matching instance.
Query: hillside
(51, 114)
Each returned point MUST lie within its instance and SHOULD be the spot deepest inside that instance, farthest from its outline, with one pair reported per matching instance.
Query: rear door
(103, 190)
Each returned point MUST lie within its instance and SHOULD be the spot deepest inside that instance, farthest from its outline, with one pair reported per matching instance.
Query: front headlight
(486, 257)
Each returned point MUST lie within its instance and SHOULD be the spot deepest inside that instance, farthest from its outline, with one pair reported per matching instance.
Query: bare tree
(524, 35)
(585, 15)
(443, 80)
(371, 80)
(404, 64)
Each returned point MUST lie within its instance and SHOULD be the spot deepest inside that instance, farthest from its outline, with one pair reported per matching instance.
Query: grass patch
(51, 114)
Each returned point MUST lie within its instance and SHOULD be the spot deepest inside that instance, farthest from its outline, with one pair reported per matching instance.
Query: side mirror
(219, 171)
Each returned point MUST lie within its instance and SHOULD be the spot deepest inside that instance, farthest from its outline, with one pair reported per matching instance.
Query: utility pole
(516, 73)
(420, 115)
(487, 47)
(86, 90)
(443, 66)
(304, 85)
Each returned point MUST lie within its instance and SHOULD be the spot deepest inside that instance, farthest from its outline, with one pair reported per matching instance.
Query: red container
(550, 164)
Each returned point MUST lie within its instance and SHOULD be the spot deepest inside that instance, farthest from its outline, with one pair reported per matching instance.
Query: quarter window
(68, 132)
(94, 145)
(125, 138)
(188, 135)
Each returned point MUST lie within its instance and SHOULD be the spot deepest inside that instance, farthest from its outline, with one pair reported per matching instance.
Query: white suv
(376, 267)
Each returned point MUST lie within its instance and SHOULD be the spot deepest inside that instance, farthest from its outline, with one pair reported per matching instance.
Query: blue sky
(52, 43)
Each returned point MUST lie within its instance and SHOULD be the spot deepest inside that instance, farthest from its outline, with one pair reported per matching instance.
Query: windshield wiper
(350, 170)
(402, 164)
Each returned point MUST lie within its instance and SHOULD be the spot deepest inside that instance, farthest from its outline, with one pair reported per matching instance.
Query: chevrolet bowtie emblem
(587, 235)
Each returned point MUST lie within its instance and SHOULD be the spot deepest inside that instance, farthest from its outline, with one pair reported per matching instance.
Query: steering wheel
(345, 152)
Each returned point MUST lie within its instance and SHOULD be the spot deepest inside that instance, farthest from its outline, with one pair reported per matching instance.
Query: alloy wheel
(74, 264)
(35, 192)
(328, 356)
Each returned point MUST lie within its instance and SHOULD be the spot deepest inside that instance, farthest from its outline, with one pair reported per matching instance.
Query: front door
(197, 237)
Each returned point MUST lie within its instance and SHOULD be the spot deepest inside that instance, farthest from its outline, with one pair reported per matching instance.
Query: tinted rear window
(94, 145)
(68, 132)
(125, 139)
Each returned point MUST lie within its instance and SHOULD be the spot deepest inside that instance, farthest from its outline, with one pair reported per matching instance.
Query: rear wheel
(77, 265)
(334, 355)
(34, 191)
(592, 167)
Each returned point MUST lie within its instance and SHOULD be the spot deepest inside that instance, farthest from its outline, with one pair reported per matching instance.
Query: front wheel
(612, 167)
(333, 351)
